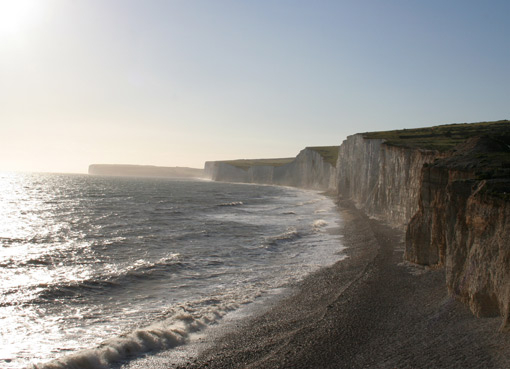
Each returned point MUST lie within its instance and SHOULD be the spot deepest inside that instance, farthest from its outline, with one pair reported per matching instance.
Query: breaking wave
(173, 331)
(233, 203)
(48, 292)
(104, 270)
(290, 235)
(318, 224)
(157, 337)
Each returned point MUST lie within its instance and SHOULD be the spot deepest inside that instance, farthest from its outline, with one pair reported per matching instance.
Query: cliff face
(463, 225)
(477, 258)
(382, 180)
(453, 219)
(425, 234)
(448, 187)
(482, 279)
(308, 170)
(225, 172)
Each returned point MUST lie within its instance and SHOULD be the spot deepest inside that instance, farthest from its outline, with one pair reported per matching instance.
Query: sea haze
(95, 270)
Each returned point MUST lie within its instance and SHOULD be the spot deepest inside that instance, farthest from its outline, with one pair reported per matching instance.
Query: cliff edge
(313, 168)
(449, 188)
(381, 179)
(463, 223)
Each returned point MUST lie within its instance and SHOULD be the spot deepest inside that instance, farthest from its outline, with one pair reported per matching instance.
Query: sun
(18, 15)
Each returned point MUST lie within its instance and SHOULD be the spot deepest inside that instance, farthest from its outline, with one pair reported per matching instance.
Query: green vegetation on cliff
(481, 148)
(441, 138)
(247, 163)
(328, 153)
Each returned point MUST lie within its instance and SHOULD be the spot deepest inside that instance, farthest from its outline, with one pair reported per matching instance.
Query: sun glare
(17, 15)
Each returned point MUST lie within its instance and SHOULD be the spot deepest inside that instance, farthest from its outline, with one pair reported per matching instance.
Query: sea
(97, 271)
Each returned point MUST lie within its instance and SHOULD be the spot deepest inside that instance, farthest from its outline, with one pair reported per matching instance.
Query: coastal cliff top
(482, 149)
(247, 163)
(328, 153)
(130, 170)
(441, 138)
(488, 157)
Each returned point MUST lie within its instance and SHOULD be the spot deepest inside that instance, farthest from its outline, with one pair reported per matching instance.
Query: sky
(180, 82)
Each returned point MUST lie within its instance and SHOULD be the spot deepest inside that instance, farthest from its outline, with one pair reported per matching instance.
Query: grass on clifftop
(247, 163)
(440, 138)
(328, 153)
(490, 160)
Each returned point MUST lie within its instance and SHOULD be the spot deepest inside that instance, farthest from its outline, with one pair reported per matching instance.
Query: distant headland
(128, 170)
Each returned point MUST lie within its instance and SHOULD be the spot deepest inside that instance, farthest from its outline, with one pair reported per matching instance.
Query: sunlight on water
(13, 203)
(21, 219)
(89, 264)
(31, 240)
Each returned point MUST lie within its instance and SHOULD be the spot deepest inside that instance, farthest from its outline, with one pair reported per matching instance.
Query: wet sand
(368, 311)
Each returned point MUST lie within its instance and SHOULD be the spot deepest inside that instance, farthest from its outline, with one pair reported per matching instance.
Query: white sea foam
(166, 334)
(153, 338)
(318, 224)
(127, 274)
(233, 203)
(289, 235)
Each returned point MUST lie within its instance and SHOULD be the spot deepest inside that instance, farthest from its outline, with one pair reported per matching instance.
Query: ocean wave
(49, 293)
(7, 241)
(43, 261)
(148, 269)
(9, 263)
(290, 235)
(171, 332)
(103, 281)
(309, 202)
(140, 270)
(157, 337)
(233, 203)
(318, 224)
(289, 213)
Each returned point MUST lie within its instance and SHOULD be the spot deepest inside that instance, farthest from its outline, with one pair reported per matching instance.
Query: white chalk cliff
(452, 218)
(308, 170)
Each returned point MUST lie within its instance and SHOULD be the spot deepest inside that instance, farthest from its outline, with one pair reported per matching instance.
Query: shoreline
(177, 328)
(368, 310)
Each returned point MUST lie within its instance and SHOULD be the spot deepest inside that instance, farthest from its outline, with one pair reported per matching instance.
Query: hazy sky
(179, 82)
